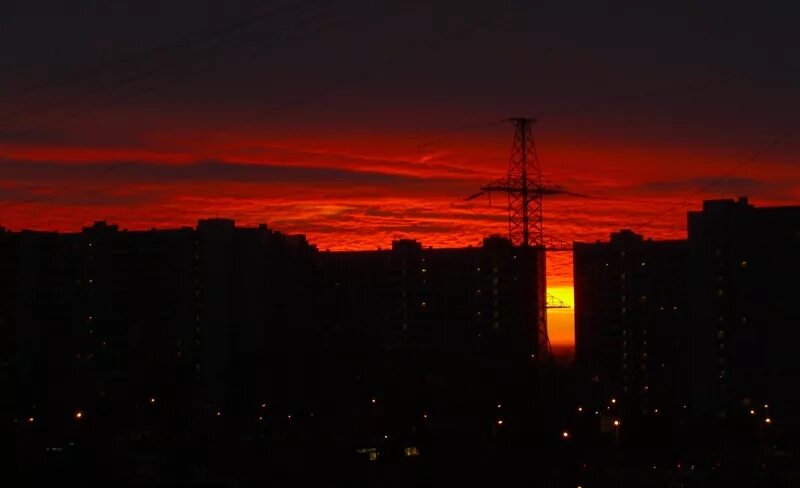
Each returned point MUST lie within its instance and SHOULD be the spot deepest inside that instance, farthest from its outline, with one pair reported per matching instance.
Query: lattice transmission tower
(524, 188)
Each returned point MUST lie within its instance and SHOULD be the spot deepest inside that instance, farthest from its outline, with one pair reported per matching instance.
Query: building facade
(745, 263)
(219, 331)
(705, 324)
(631, 322)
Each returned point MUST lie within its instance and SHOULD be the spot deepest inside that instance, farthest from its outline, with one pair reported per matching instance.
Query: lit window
(411, 451)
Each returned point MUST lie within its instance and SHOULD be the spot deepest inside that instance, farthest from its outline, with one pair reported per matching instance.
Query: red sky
(115, 115)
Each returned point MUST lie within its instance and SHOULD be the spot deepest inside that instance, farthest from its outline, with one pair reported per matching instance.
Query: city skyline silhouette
(403, 241)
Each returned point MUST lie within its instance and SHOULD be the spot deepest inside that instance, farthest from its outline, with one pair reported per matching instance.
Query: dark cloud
(729, 185)
(215, 171)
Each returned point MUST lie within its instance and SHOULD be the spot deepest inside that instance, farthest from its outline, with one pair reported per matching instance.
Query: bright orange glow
(561, 321)
(78, 415)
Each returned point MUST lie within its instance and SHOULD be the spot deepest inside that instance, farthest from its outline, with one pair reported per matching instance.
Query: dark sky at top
(381, 63)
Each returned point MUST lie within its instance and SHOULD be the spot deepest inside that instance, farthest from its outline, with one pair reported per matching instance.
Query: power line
(718, 180)
(691, 87)
(116, 165)
(100, 68)
(183, 60)
(369, 69)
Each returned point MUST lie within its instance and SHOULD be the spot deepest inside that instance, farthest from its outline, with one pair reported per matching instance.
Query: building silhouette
(252, 337)
(707, 325)
(745, 264)
(631, 322)
(444, 334)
